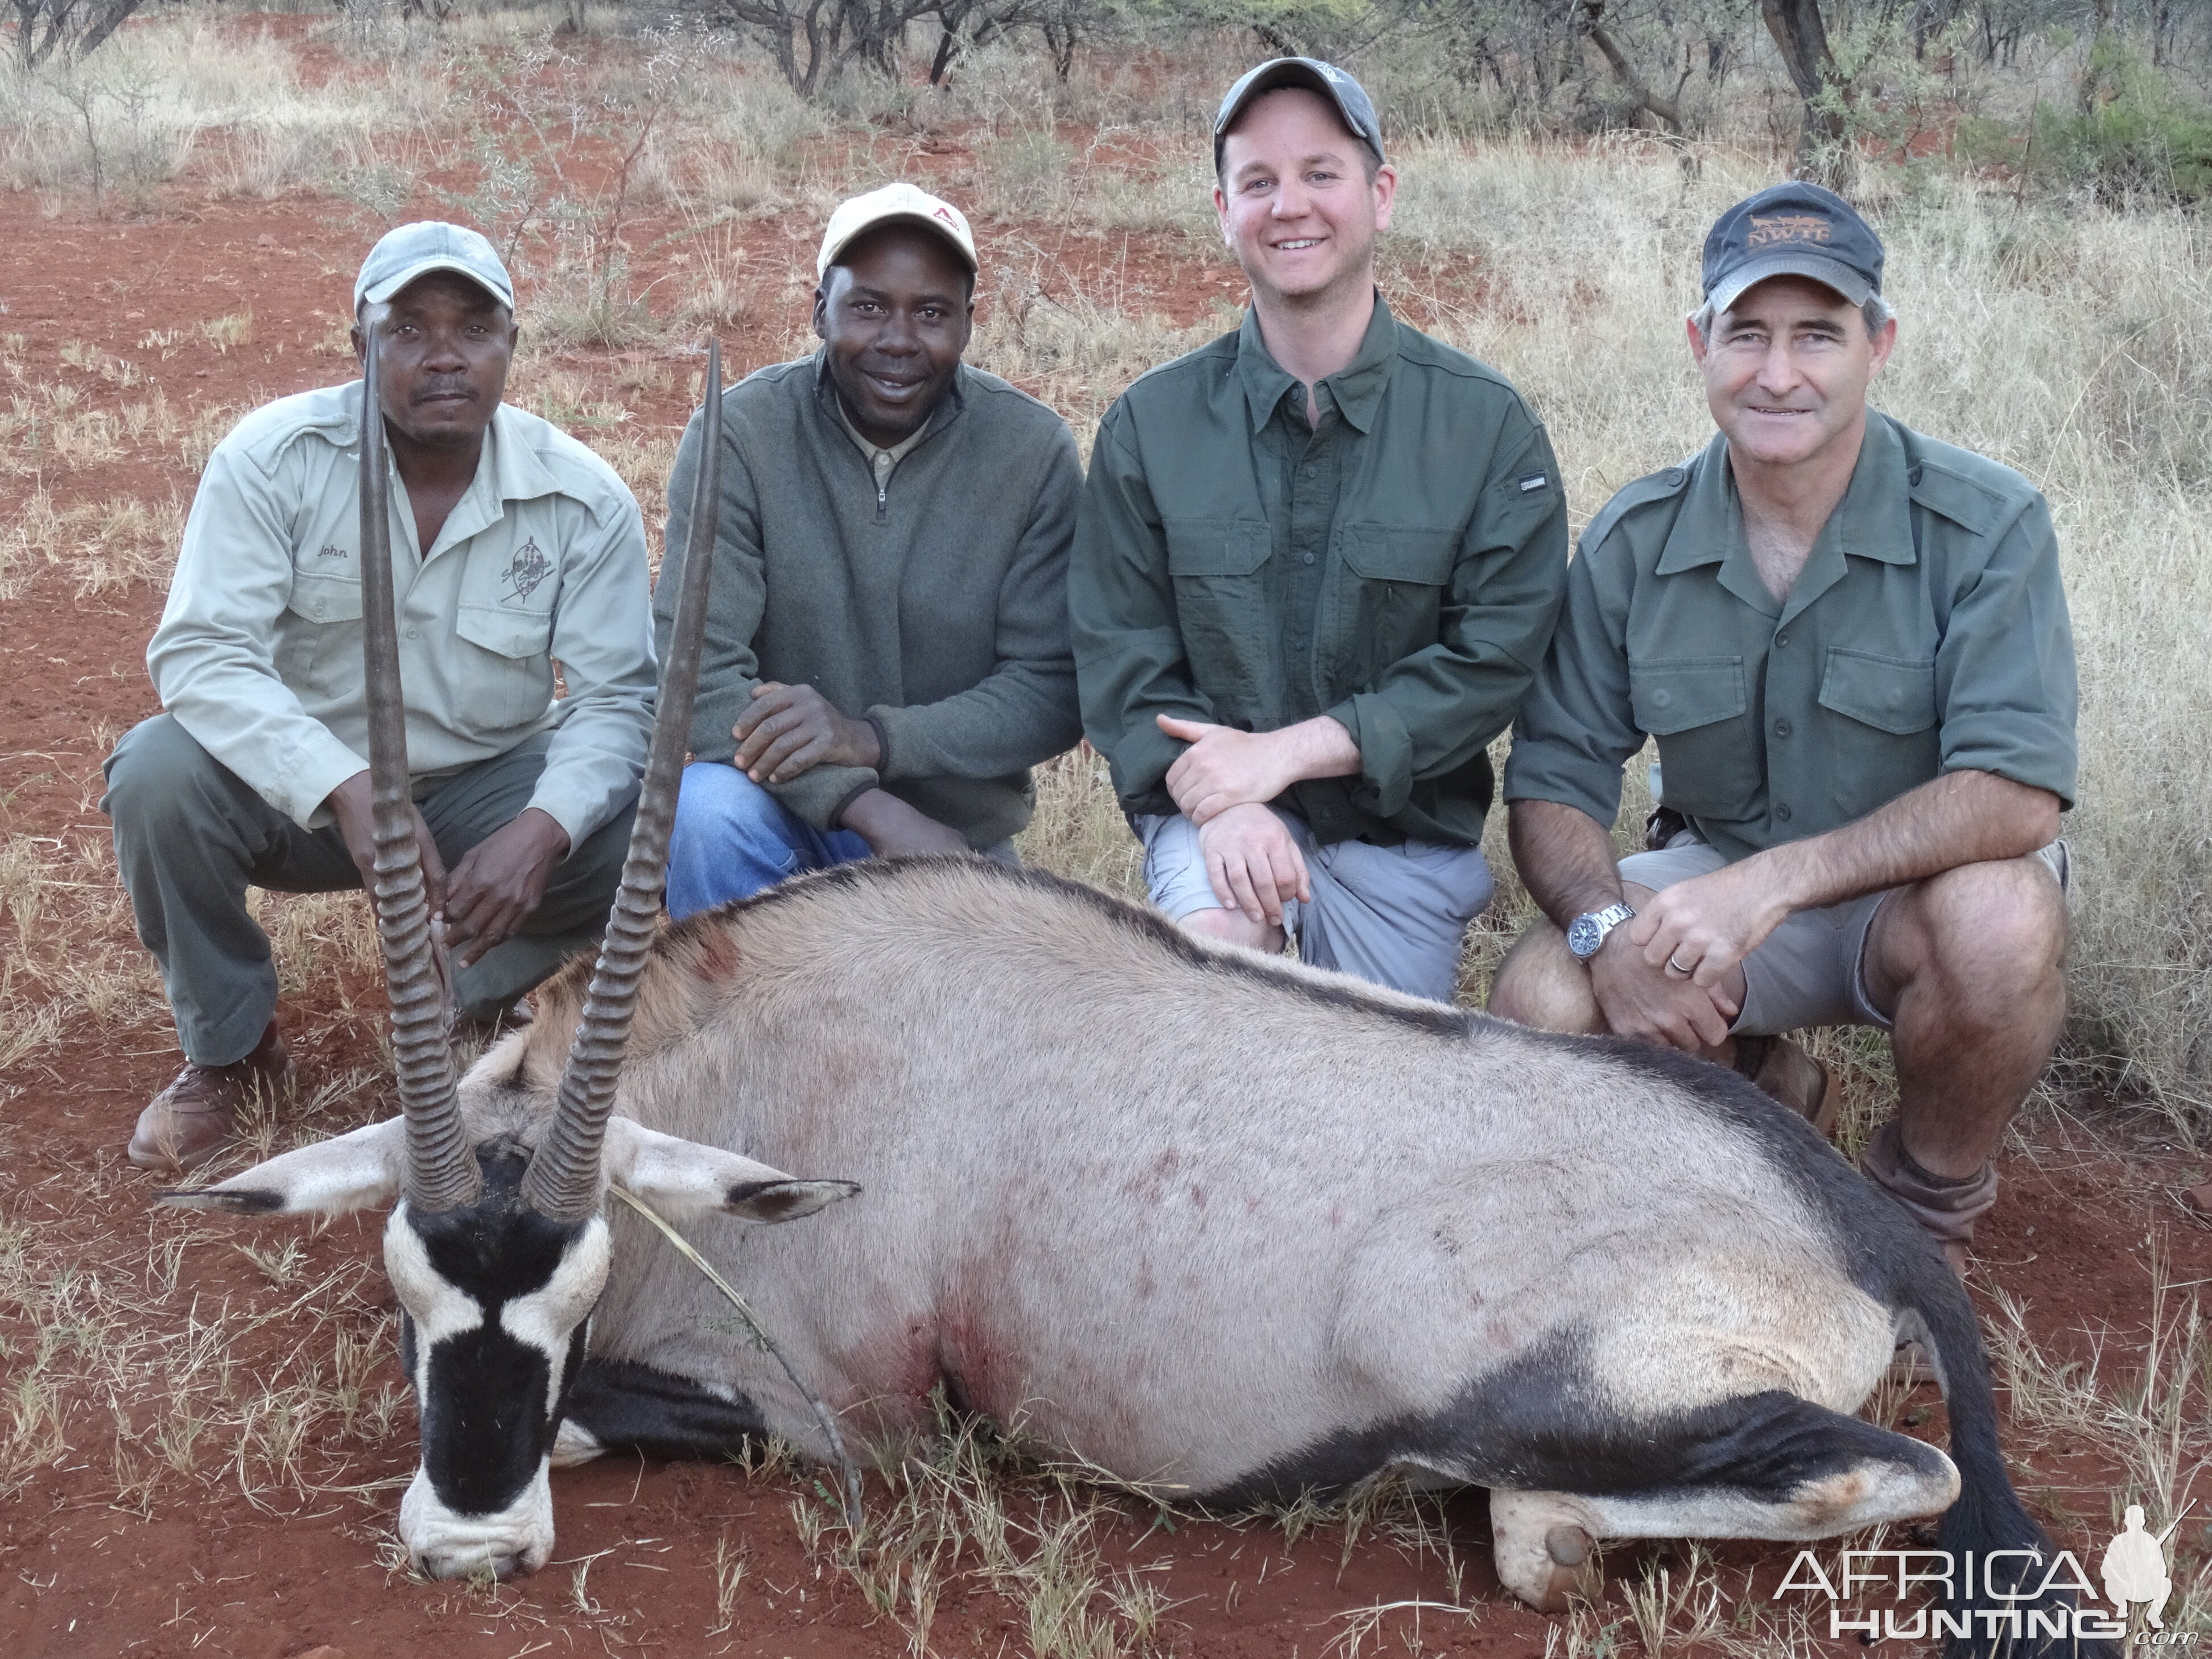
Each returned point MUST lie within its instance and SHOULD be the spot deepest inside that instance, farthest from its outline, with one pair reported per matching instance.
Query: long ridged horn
(562, 1184)
(441, 1173)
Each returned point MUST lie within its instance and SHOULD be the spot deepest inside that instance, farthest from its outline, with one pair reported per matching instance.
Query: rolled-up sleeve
(1576, 728)
(1023, 711)
(728, 668)
(1431, 712)
(2005, 671)
(212, 660)
(603, 637)
(1130, 664)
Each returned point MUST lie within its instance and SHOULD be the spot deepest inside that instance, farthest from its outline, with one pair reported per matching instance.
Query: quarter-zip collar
(883, 463)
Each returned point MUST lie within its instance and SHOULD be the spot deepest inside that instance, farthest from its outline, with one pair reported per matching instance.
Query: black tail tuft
(1988, 1515)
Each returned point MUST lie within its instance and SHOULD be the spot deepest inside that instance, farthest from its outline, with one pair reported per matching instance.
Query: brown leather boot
(1806, 1086)
(192, 1120)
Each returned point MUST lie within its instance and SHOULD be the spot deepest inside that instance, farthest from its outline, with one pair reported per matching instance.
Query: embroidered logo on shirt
(525, 571)
(1786, 228)
(330, 551)
(1534, 482)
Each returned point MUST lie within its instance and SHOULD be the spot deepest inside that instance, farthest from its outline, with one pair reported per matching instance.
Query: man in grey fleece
(887, 642)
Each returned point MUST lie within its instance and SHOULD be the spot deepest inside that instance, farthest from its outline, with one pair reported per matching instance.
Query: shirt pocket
(506, 679)
(1889, 740)
(318, 637)
(1220, 597)
(1698, 709)
(1396, 577)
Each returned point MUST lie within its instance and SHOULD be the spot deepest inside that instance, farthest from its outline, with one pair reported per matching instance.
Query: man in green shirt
(1316, 567)
(1851, 645)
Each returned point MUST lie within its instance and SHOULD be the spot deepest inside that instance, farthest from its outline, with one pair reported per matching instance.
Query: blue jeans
(732, 839)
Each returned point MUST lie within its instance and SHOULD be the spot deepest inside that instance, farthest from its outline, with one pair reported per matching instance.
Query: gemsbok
(1222, 1225)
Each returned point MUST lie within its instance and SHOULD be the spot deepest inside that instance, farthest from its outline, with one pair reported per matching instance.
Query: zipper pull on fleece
(884, 464)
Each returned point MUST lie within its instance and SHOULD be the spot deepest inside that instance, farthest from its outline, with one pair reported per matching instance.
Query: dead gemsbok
(1224, 1225)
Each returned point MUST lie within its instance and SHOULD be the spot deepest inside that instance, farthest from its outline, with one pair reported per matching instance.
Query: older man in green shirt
(1316, 567)
(1850, 643)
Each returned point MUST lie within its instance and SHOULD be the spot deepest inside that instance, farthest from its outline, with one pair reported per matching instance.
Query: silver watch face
(1584, 934)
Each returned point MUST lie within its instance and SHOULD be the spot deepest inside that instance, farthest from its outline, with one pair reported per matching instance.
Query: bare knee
(1543, 984)
(1234, 927)
(1987, 936)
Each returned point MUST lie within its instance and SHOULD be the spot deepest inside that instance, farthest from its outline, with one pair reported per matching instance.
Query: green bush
(2145, 141)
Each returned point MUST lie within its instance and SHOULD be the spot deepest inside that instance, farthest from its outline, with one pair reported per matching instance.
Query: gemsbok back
(1222, 1225)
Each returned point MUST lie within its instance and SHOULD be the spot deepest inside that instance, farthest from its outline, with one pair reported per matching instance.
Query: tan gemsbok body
(1222, 1225)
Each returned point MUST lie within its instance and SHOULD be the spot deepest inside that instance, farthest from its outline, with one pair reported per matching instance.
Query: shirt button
(1309, 558)
(1781, 810)
(410, 634)
(1782, 728)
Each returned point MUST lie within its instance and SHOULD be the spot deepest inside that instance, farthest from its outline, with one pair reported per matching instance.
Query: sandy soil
(214, 1568)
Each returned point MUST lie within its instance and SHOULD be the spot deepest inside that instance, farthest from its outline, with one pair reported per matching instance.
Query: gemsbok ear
(353, 1171)
(680, 1178)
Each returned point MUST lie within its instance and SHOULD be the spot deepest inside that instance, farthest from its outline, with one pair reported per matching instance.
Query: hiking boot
(192, 1120)
(1783, 1070)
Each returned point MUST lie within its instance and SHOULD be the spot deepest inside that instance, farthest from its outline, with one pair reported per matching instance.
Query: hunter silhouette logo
(1787, 227)
(2134, 1567)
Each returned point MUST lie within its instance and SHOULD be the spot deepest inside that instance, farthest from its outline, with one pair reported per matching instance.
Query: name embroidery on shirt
(525, 571)
(331, 551)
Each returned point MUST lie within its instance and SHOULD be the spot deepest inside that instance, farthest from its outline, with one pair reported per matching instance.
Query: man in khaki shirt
(512, 546)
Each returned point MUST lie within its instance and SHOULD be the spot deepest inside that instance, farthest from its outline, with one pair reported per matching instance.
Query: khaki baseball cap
(900, 204)
(416, 250)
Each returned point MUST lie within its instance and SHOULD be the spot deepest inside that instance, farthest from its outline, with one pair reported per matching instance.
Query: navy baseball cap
(1794, 229)
(1350, 98)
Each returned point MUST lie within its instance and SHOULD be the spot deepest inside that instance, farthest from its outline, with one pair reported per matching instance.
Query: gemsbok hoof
(1573, 1555)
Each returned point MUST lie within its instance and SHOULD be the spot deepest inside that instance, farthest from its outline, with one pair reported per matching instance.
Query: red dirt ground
(222, 1574)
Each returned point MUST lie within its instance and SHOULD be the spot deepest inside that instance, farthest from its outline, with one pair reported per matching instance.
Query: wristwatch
(1587, 931)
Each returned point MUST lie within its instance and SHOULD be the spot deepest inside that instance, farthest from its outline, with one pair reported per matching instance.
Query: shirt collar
(868, 447)
(1356, 390)
(517, 473)
(1873, 520)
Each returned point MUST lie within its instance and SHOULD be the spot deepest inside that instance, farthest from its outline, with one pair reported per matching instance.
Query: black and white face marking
(497, 1301)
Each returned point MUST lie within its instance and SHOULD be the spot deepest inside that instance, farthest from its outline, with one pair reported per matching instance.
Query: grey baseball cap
(1332, 83)
(429, 245)
(1792, 229)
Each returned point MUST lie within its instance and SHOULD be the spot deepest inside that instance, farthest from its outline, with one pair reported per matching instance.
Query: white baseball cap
(900, 204)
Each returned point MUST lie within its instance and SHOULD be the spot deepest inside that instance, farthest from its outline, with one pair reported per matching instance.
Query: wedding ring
(1676, 966)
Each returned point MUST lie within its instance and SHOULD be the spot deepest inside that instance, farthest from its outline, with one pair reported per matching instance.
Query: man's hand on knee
(499, 883)
(353, 804)
(789, 730)
(1640, 1000)
(1700, 929)
(1252, 863)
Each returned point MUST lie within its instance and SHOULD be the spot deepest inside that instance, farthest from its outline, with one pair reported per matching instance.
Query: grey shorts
(1811, 970)
(1395, 915)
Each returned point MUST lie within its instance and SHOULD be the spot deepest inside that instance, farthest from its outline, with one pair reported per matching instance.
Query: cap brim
(1829, 273)
(391, 285)
(829, 255)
